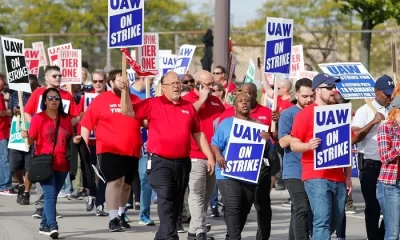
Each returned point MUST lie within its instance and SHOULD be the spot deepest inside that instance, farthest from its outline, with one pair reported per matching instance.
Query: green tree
(7, 23)
(371, 13)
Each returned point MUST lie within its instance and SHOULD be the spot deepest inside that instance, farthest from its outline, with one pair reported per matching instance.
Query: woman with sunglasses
(42, 133)
(238, 195)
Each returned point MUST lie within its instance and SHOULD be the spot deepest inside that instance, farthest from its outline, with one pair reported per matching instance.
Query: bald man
(188, 80)
(201, 181)
(284, 88)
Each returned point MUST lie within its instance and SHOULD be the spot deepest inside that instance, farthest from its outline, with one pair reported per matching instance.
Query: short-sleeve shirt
(42, 129)
(115, 132)
(303, 129)
(283, 104)
(291, 160)
(208, 113)
(259, 113)
(4, 121)
(33, 105)
(369, 145)
(170, 126)
(220, 139)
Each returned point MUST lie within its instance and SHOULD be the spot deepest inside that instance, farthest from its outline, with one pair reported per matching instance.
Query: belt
(198, 159)
(169, 159)
(374, 163)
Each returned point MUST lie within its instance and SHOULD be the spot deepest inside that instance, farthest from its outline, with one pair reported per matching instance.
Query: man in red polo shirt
(118, 144)
(201, 183)
(326, 189)
(172, 122)
(52, 76)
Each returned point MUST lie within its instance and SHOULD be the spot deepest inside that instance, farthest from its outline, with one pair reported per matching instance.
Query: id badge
(149, 163)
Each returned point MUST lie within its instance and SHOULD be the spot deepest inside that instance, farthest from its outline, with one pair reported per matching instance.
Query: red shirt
(303, 129)
(231, 87)
(389, 145)
(208, 113)
(259, 112)
(283, 104)
(4, 121)
(115, 133)
(42, 130)
(170, 126)
(33, 104)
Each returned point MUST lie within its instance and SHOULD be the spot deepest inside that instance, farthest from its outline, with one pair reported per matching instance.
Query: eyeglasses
(98, 81)
(56, 75)
(217, 73)
(188, 81)
(178, 83)
(53, 98)
(211, 84)
(329, 87)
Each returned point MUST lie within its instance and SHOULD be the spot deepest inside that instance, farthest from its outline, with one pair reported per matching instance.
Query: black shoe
(191, 236)
(54, 234)
(208, 226)
(122, 221)
(37, 213)
(214, 212)
(21, 190)
(114, 226)
(25, 198)
(186, 219)
(44, 231)
(76, 195)
(203, 236)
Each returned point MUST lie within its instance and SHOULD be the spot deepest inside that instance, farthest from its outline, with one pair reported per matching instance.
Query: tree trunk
(366, 38)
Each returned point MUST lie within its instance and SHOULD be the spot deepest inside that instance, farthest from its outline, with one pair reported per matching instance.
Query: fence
(319, 47)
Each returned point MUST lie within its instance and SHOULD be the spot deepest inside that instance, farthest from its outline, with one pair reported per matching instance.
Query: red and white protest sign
(306, 74)
(42, 54)
(53, 52)
(32, 60)
(297, 63)
(148, 53)
(70, 63)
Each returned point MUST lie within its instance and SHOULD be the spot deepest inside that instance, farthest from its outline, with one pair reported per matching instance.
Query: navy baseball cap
(385, 84)
(321, 78)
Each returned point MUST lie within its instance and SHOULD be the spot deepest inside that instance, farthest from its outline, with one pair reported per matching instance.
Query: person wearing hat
(365, 125)
(388, 189)
(325, 188)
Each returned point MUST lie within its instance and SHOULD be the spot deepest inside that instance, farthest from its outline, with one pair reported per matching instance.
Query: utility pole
(222, 33)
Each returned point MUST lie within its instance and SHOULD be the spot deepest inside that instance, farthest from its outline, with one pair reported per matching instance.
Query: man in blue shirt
(292, 162)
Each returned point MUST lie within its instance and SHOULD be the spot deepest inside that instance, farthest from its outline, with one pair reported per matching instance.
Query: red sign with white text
(53, 52)
(32, 60)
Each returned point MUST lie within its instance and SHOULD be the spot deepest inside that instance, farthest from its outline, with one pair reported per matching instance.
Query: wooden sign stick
(125, 90)
(273, 125)
(21, 108)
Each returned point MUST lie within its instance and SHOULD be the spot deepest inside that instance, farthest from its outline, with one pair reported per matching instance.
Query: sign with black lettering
(17, 70)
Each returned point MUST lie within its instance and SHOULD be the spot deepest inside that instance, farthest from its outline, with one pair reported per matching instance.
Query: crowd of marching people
(168, 147)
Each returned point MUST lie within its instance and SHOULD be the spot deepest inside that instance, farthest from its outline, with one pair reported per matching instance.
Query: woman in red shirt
(42, 132)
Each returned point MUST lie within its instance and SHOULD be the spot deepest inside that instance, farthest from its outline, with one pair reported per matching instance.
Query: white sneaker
(62, 195)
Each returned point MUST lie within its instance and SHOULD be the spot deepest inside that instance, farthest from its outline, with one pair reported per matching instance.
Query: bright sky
(241, 10)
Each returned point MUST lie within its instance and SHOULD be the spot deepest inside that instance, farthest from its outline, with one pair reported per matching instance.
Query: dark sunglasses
(53, 98)
(188, 81)
(329, 87)
(98, 81)
(217, 73)
(56, 75)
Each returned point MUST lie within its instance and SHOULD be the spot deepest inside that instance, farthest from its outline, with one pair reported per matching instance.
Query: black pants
(99, 191)
(135, 190)
(169, 179)
(298, 228)
(262, 203)
(368, 178)
(238, 200)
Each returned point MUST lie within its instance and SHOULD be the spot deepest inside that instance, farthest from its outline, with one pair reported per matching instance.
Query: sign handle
(368, 102)
(273, 125)
(146, 79)
(21, 108)
(124, 79)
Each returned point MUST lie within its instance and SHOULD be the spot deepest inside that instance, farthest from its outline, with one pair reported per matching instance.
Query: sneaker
(145, 220)
(58, 215)
(24, 199)
(137, 206)
(8, 192)
(208, 226)
(62, 195)
(129, 206)
(76, 195)
(122, 221)
(100, 211)
(44, 231)
(214, 212)
(114, 226)
(37, 213)
(54, 234)
(90, 204)
(352, 210)
(179, 226)
(191, 236)
(203, 236)
(21, 190)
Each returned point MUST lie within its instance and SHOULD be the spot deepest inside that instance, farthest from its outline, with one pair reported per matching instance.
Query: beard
(117, 91)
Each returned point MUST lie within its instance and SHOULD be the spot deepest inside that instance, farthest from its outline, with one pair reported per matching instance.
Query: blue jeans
(214, 198)
(327, 201)
(67, 187)
(389, 200)
(51, 188)
(5, 173)
(145, 189)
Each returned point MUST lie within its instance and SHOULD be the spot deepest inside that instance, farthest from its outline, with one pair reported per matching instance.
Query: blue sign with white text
(332, 126)
(185, 56)
(354, 166)
(278, 45)
(356, 82)
(244, 155)
(125, 23)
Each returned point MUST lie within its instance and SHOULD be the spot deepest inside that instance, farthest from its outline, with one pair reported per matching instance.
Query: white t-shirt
(363, 116)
